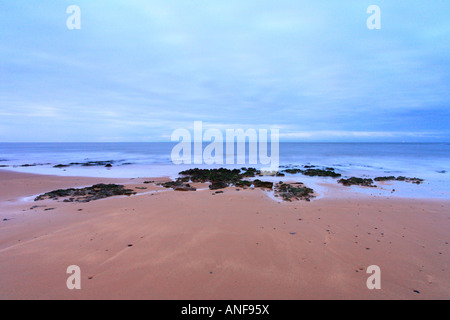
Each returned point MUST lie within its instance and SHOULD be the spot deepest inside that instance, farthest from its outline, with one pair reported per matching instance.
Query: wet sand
(162, 244)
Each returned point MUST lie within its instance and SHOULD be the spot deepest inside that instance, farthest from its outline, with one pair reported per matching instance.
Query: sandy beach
(165, 244)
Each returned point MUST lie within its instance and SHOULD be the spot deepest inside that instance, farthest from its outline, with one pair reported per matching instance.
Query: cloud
(144, 68)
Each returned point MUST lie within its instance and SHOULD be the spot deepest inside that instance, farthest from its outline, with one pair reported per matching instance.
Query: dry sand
(235, 245)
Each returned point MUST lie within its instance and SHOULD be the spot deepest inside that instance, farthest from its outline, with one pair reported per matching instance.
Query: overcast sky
(137, 70)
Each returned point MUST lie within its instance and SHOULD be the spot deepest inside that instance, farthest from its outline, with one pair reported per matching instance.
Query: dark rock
(171, 184)
(250, 172)
(357, 181)
(328, 172)
(214, 175)
(390, 178)
(298, 192)
(98, 191)
(185, 187)
(61, 166)
(263, 184)
(34, 207)
(220, 178)
(292, 171)
(107, 164)
(218, 185)
(29, 165)
(243, 183)
(400, 178)
(412, 180)
(321, 173)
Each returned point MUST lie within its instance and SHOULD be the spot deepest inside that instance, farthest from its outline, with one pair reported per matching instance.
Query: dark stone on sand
(243, 183)
(328, 172)
(214, 175)
(178, 185)
(34, 207)
(297, 191)
(263, 184)
(185, 187)
(95, 192)
(218, 185)
(321, 173)
(357, 181)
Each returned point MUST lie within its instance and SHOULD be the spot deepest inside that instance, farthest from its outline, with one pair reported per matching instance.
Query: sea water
(429, 161)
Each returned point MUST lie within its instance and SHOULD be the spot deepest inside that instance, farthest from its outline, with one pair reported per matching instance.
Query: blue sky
(137, 70)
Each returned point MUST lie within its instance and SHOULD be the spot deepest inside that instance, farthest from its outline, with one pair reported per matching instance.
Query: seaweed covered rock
(400, 178)
(296, 191)
(213, 175)
(107, 164)
(243, 183)
(95, 192)
(329, 172)
(292, 171)
(178, 185)
(185, 187)
(221, 178)
(412, 180)
(218, 185)
(390, 178)
(61, 166)
(357, 181)
(263, 184)
(250, 172)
